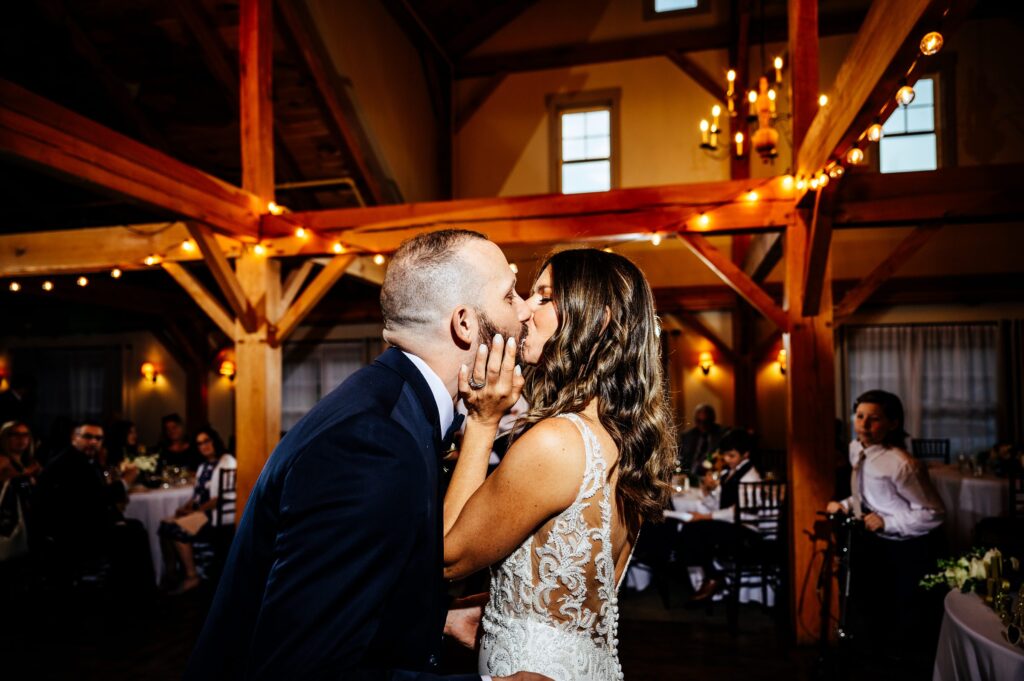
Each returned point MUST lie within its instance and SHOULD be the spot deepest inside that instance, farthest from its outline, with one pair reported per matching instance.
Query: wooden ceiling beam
(763, 255)
(692, 321)
(293, 283)
(866, 83)
(312, 295)
(736, 279)
(478, 100)
(39, 132)
(203, 298)
(335, 100)
(856, 296)
(698, 74)
(225, 277)
(693, 40)
(479, 29)
(819, 243)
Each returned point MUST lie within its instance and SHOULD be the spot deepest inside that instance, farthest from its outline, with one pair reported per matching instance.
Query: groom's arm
(347, 528)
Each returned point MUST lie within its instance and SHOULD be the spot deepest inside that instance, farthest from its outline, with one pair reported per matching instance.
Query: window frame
(703, 7)
(577, 102)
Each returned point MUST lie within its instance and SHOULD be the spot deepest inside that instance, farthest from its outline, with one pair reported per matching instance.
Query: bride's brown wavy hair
(607, 347)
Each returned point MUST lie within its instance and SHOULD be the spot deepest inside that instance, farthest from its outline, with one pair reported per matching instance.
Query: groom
(335, 571)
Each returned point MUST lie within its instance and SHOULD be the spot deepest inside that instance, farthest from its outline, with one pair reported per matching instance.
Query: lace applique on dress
(553, 605)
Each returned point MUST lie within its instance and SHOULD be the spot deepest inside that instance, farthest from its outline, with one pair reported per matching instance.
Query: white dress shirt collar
(445, 403)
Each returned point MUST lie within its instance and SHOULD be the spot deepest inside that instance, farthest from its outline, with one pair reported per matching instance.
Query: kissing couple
(339, 566)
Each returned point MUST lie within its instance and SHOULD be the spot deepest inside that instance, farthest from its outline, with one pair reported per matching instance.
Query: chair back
(226, 496)
(761, 506)
(1016, 481)
(936, 450)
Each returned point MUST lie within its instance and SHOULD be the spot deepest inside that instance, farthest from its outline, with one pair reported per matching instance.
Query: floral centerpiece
(148, 465)
(992, 577)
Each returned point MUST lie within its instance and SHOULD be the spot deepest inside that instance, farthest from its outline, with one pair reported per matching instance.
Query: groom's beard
(488, 329)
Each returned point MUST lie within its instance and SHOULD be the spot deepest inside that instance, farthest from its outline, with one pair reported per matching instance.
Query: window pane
(573, 125)
(920, 119)
(598, 147)
(907, 154)
(340, 362)
(573, 149)
(897, 122)
(598, 122)
(591, 176)
(924, 93)
(673, 5)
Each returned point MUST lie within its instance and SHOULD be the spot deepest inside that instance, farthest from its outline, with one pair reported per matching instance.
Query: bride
(558, 519)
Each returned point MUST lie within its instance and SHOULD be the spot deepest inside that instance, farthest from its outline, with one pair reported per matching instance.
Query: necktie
(856, 487)
(446, 441)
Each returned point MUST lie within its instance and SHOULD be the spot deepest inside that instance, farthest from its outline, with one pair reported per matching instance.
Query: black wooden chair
(759, 558)
(1006, 533)
(930, 449)
(212, 552)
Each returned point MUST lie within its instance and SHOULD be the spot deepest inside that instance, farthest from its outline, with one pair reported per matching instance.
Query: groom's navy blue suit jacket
(336, 568)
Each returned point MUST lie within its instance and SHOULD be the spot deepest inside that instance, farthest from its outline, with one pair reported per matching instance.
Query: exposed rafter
(818, 245)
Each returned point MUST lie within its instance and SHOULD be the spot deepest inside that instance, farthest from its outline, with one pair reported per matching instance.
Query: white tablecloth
(968, 499)
(152, 506)
(971, 644)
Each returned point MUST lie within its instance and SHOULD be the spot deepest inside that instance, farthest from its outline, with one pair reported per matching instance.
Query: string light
(337, 247)
(874, 132)
(260, 250)
(301, 232)
(47, 285)
(751, 196)
(378, 259)
(115, 273)
(14, 286)
(188, 246)
(607, 249)
(801, 184)
(704, 220)
(151, 260)
(275, 209)
(787, 182)
(82, 281)
(855, 156)
(822, 100)
(905, 95)
(931, 43)
(655, 239)
(814, 184)
(822, 180)
(836, 171)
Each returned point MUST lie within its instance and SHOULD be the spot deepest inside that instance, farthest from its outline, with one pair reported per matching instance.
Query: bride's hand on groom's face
(501, 379)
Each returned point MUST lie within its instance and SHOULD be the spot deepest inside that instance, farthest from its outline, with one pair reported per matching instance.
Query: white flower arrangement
(148, 463)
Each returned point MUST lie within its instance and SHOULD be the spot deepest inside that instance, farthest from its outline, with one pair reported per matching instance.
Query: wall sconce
(149, 371)
(782, 361)
(706, 361)
(227, 369)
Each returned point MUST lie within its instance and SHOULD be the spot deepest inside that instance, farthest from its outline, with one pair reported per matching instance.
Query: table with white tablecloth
(972, 646)
(150, 507)
(968, 499)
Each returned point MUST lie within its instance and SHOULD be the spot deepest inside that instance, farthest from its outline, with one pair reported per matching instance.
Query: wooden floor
(93, 639)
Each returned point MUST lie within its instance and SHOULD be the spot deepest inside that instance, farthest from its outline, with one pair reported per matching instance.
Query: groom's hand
(523, 676)
(462, 624)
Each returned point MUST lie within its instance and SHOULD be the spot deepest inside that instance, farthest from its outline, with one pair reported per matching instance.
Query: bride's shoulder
(553, 443)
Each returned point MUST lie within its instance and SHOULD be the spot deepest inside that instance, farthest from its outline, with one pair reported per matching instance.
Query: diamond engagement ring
(474, 385)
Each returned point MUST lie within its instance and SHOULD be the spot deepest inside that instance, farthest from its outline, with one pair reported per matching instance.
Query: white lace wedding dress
(553, 605)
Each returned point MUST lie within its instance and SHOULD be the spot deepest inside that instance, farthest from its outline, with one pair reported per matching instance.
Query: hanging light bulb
(814, 184)
(260, 250)
(751, 196)
(905, 95)
(703, 220)
(188, 245)
(151, 260)
(655, 239)
(301, 232)
(378, 259)
(855, 156)
(275, 209)
(836, 171)
(787, 182)
(115, 273)
(875, 132)
(822, 179)
(338, 248)
(47, 285)
(82, 281)
(822, 100)
(14, 286)
(931, 43)
(801, 184)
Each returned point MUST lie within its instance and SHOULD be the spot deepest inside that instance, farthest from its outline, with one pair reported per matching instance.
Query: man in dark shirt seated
(697, 443)
(80, 514)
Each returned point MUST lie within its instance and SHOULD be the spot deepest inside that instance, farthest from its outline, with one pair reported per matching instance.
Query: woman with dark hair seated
(196, 520)
(712, 535)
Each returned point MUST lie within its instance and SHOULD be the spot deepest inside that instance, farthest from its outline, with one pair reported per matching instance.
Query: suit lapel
(394, 359)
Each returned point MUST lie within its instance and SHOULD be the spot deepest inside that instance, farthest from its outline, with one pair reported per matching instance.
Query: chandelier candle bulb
(704, 140)
(771, 101)
(752, 101)
(716, 111)
(731, 78)
(739, 144)
(778, 69)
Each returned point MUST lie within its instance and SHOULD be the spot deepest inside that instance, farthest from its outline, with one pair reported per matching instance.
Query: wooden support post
(202, 297)
(223, 274)
(818, 247)
(810, 419)
(258, 381)
(803, 65)
(255, 48)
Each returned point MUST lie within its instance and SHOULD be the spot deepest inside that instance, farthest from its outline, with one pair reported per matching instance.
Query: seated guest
(80, 510)
(712, 534)
(697, 443)
(196, 519)
(173, 446)
(123, 443)
(17, 452)
(902, 518)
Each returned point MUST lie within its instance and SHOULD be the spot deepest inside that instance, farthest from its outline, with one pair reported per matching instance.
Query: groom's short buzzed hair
(426, 279)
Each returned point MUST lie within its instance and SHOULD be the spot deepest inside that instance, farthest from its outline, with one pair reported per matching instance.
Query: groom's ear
(464, 326)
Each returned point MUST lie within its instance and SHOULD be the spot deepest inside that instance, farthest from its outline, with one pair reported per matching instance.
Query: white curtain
(945, 375)
(310, 372)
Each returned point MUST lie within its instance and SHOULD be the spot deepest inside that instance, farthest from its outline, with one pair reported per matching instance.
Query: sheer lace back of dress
(563, 576)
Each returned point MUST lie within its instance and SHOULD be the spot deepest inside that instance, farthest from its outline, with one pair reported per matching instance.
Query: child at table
(901, 538)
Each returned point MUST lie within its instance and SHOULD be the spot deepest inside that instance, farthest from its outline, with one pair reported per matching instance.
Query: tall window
(946, 376)
(584, 133)
(310, 371)
(657, 9)
(910, 142)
